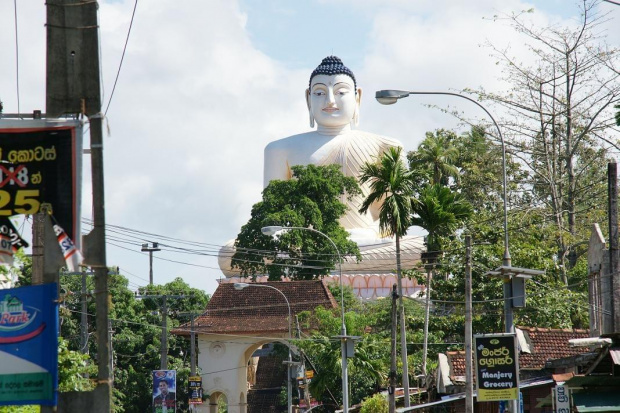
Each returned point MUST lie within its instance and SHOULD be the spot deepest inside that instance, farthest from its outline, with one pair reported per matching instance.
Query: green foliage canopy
(310, 199)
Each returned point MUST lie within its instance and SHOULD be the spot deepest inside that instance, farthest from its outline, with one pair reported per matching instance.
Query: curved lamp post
(272, 230)
(389, 97)
(241, 286)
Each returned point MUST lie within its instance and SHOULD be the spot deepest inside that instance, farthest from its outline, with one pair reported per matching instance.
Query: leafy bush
(375, 404)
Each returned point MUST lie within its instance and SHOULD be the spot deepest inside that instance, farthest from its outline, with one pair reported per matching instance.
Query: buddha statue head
(332, 96)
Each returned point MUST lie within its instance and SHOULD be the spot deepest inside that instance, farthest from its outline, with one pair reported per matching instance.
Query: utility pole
(164, 334)
(150, 250)
(46, 258)
(392, 390)
(84, 317)
(73, 86)
(403, 327)
(429, 278)
(469, 382)
(614, 258)
(164, 327)
(192, 347)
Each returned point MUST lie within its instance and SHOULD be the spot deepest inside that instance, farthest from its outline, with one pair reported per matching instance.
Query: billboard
(40, 164)
(164, 391)
(29, 345)
(497, 368)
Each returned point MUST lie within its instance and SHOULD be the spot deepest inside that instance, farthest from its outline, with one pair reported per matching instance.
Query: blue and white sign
(29, 345)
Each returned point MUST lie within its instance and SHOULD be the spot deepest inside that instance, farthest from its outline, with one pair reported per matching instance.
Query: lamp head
(241, 286)
(271, 230)
(389, 97)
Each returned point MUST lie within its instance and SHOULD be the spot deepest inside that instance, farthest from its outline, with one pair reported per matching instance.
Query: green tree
(391, 183)
(366, 369)
(74, 368)
(312, 199)
(559, 115)
(136, 340)
(440, 211)
(439, 155)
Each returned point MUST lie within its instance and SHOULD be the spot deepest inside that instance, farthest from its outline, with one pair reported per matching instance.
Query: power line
(122, 57)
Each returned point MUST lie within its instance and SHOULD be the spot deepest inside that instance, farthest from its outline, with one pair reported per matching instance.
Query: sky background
(206, 85)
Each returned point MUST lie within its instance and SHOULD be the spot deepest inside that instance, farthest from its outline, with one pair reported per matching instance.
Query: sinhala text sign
(40, 163)
(497, 369)
(29, 345)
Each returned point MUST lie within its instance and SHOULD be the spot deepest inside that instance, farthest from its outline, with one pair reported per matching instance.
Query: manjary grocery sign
(497, 367)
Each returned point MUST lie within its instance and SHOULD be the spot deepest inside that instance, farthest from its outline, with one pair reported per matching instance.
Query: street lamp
(241, 286)
(389, 97)
(272, 230)
(506, 271)
(150, 250)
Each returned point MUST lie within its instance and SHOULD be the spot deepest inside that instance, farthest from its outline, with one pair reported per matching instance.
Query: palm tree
(438, 154)
(439, 211)
(392, 183)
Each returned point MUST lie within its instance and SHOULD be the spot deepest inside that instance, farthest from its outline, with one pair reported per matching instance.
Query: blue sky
(206, 85)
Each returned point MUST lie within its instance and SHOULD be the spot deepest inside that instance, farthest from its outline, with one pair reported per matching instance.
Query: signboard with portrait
(29, 345)
(497, 367)
(195, 390)
(40, 164)
(164, 391)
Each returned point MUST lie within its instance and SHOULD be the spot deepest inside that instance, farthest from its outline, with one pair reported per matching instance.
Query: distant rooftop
(259, 310)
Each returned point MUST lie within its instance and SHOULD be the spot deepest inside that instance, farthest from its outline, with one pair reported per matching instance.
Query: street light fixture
(150, 250)
(273, 230)
(389, 97)
(289, 392)
(506, 271)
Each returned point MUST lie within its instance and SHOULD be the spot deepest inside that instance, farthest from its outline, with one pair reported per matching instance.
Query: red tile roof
(549, 344)
(259, 309)
(545, 344)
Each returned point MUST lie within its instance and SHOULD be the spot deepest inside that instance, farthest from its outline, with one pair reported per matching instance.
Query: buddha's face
(332, 100)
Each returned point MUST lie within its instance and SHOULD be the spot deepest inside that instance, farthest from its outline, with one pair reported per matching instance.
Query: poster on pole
(40, 164)
(497, 367)
(164, 391)
(29, 345)
(195, 390)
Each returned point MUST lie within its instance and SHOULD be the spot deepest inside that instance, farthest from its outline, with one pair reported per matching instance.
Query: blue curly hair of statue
(332, 65)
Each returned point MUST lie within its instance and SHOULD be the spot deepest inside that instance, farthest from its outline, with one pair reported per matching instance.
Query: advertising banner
(164, 391)
(29, 345)
(195, 390)
(497, 368)
(40, 164)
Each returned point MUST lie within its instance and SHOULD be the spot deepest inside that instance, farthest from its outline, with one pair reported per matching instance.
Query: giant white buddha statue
(333, 100)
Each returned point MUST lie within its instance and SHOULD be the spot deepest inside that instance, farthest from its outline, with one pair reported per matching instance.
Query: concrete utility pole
(469, 382)
(164, 326)
(392, 390)
(84, 318)
(73, 87)
(164, 333)
(614, 258)
(47, 258)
